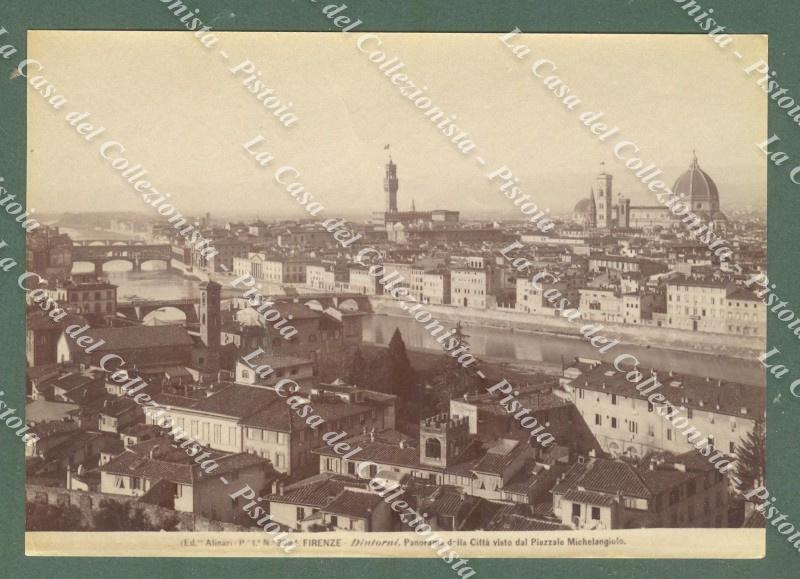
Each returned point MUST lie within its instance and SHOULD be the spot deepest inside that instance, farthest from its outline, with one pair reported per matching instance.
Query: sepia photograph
(394, 294)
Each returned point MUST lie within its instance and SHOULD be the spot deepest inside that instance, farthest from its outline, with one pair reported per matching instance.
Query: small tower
(210, 322)
(604, 184)
(391, 184)
(442, 439)
(624, 213)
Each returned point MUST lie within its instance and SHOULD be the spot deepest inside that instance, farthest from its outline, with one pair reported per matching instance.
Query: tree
(44, 517)
(455, 376)
(116, 516)
(400, 374)
(751, 457)
(359, 368)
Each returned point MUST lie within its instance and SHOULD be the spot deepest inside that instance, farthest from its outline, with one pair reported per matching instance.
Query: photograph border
(569, 16)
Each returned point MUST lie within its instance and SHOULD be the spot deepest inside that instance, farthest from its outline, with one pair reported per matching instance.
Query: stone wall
(89, 504)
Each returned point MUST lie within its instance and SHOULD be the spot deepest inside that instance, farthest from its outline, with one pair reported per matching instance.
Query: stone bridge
(136, 254)
(346, 302)
(139, 309)
(83, 242)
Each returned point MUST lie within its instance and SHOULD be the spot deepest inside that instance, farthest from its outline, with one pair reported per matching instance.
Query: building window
(633, 427)
(334, 520)
(613, 399)
(119, 483)
(136, 483)
(669, 434)
(613, 422)
(595, 513)
(598, 420)
(576, 510)
(301, 513)
(433, 448)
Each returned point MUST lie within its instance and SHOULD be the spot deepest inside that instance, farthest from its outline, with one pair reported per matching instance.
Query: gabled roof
(590, 498)
(135, 338)
(354, 504)
(317, 495)
(499, 457)
(611, 476)
(236, 401)
(131, 464)
(520, 517)
(701, 393)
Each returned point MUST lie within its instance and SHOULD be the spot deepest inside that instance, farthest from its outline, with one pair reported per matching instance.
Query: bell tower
(210, 323)
(604, 205)
(390, 185)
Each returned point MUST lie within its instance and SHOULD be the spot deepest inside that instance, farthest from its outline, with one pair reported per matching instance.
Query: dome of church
(583, 206)
(700, 190)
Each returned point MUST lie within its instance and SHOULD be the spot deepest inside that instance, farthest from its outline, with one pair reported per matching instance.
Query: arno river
(155, 282)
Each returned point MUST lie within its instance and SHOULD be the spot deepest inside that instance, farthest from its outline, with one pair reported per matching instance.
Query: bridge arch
(349, 305)
(152, 262)
(314, 305)
(117, 260)
(165, 315)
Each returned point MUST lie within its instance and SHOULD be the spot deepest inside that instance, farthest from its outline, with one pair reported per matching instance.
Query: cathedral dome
(700, 190)
(583, 206)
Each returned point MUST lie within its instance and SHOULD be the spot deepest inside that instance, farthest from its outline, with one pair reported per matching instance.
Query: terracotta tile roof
(590, 498)
(523, 518)
(354, 504)
(521, 523)
(136, 338)
(702, 394)
(499, 457)
(317, 495)
(237, 401)
(72, 381)
(239, 461)
(381, 451)
(45, 429)
(131, 464)
(452, 503)
(169, 462)
(611, 476)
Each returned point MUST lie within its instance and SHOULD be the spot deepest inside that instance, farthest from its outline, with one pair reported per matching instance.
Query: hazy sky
(182, 114)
